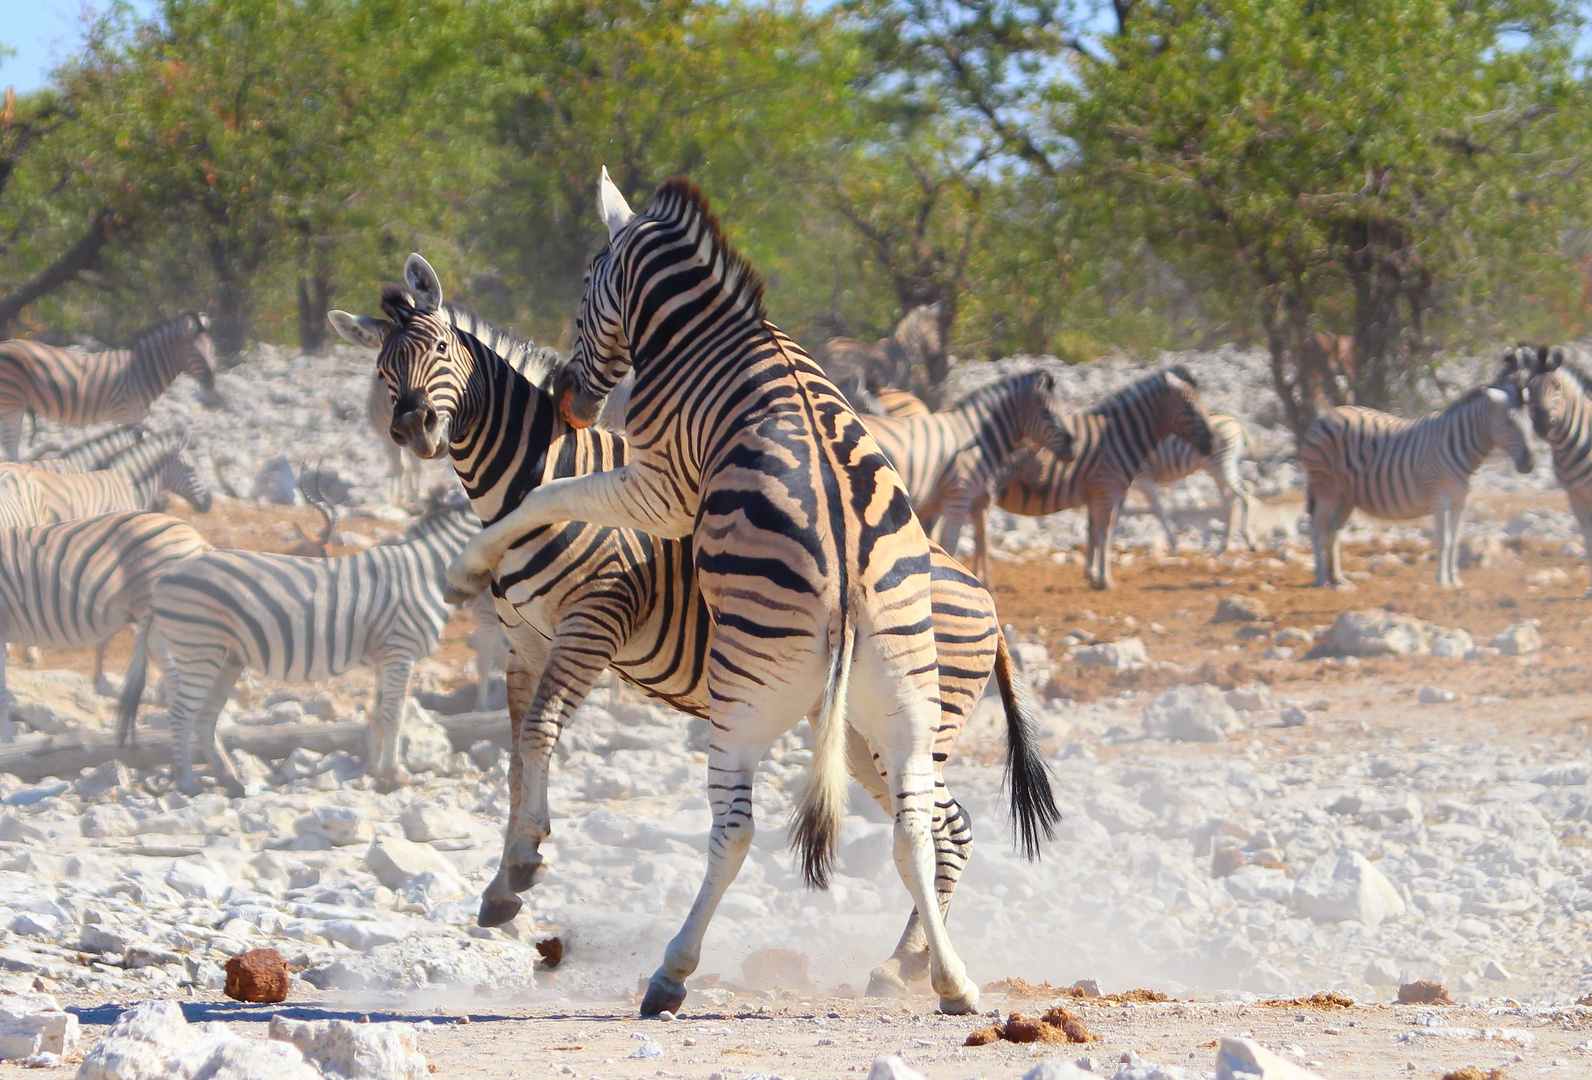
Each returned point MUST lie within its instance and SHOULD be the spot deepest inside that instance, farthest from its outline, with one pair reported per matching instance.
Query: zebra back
(115, 386)
(987, 426)
(1173, 458)
(92, 453)
(1391, 466)
(77, 583)
(301, 618)
(1111, 444)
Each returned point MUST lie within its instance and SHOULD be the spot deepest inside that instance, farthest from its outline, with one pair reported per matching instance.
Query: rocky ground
(1265, 799)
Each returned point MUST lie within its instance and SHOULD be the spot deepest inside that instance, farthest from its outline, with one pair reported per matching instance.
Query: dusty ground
(825, 1037)
(1542, 705)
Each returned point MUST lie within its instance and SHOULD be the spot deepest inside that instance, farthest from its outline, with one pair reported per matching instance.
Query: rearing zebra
(1173, 459)
(1112, 441)
(980, 433)
(301, 620)
(815, 570)
(1396, 468)
(117, 386)
(577, 597)
(1559, 395)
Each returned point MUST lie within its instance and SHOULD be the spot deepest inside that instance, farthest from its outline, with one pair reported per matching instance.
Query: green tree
(1353, 169)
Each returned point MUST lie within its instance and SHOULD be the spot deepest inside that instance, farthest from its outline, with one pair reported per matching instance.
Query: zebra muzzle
(566, 409)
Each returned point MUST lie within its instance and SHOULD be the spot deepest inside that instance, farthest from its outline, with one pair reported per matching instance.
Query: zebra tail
(133, 686)
(815, 829)
(1033, 804)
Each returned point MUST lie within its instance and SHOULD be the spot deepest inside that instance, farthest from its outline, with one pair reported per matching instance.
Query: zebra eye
(442, 347)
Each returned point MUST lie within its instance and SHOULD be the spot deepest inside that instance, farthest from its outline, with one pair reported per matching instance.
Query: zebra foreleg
(1448, 513)
(11, 434)
(1146, 486)
(1581, 507)
(382, 759)
(626, 498)
(580, 652)
(7, 731)
(1102, 525)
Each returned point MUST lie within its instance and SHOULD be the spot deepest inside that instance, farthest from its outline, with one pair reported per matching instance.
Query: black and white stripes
(299, 620)
(117, 386)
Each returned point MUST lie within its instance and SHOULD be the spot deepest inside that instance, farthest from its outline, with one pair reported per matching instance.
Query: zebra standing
(893, 402)
(807, 553)
(1111, 441)
(577, 597)
(301, 620)
(78, 583)
(980, 434)
(902, 360)
(1173, 459)
(1396, 468)
(116, 386)
(1559, 395)
(134, 479)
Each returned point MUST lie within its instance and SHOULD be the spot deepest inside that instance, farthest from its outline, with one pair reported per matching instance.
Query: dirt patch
(1058, 1025)
(1424, 993)
(1325, 1000)
(1470, 1072)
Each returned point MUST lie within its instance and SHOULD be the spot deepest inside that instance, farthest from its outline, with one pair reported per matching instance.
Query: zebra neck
(1470, 430)
(153, 366)
(1571, 446)
(500, 437)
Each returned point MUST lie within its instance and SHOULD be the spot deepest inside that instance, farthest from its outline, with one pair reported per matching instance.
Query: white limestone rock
(893, 1068)
(33, 1024)
(424, 823)
(1190, 714)
(1246, 1059)
(423, 743)
(1452, 645)
(1521, 639)
(395, 861)
(1121, 655)
(1251, 697)
(340, 826)
(1375, 632)
(346, 1051)
(1345, 886)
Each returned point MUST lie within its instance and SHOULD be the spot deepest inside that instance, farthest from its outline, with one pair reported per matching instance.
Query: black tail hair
(1033, 804)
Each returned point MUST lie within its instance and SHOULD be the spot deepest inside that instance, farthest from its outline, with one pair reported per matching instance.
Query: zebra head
(1185, 409)
(601, 356)
(201, 359)
(184, 479)
(1551, 392)
(1039, 423)
(1507, 424)
(420, 358)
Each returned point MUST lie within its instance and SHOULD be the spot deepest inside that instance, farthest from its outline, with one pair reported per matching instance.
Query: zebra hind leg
(11, 434)
(7, 730)
(203, 717)
(384, 742)
(1146, 485)
(1581, 507)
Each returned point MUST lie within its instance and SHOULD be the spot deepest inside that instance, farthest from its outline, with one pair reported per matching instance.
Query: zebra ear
(1554, 360)
(424, 281)
(361, 330)
(204, 321)
(611, 205)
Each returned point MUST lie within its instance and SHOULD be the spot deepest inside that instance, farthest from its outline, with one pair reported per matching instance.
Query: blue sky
(43, 33)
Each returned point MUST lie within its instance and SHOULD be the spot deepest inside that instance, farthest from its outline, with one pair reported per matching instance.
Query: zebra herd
(738, 541)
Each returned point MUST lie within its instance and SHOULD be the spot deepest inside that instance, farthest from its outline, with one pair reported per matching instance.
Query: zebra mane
(539, 365)
(680, 202)
(150, 333)
(996, 388)
(1573, 369)
(1138, 391)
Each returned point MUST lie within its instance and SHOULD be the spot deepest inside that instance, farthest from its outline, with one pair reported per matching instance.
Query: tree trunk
(315, 292)
(84, 255)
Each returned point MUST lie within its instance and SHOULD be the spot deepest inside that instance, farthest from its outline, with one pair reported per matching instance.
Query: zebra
(92, 453)
(1173, 459)
(980, 433)
(807, 553)
(76, 388)
(578, 597)
(1559, 396)
(1111, 441)
(78, 583)
(296, 619)
(1396, 468)
(135, 479)
(893, 402)
(903, 359)
(403, 467)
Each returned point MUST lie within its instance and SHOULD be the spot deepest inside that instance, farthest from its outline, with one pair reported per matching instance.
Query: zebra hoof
(962, 1004)
(663, 993)
(523, 876)
(498, 910)
(886, 984)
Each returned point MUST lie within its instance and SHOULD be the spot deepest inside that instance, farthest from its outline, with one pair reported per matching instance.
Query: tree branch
(83, 255)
